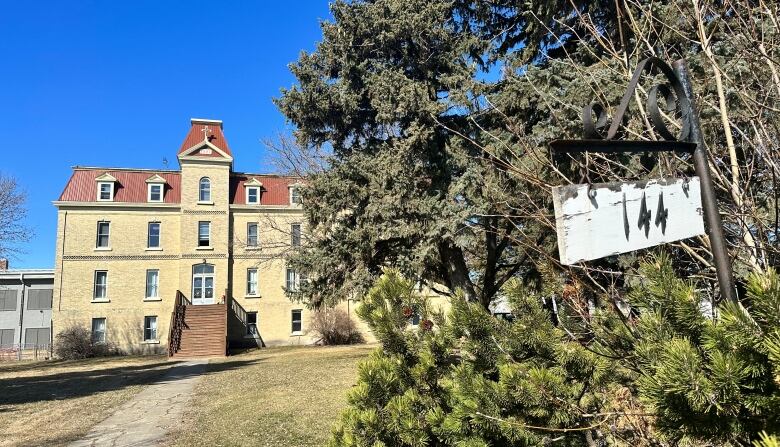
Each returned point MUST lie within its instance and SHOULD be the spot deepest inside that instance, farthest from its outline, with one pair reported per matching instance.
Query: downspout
(21, 311)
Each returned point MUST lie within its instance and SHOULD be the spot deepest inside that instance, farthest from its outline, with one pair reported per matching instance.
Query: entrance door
(203, 284)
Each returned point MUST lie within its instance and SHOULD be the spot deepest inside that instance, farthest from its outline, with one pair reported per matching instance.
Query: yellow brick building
(194, 255)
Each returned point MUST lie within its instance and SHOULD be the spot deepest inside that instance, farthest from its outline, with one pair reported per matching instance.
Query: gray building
(25, 308)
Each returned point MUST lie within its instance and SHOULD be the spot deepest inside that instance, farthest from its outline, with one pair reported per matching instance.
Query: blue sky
(115, 84)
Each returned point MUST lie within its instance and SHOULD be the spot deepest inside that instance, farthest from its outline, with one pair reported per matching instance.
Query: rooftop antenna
(165, 162)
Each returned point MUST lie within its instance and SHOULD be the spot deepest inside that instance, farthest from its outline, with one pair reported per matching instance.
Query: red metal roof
(130, 186)
(214, 132)
(275, 190)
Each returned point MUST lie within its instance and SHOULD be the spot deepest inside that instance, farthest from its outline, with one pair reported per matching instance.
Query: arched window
(205, 190)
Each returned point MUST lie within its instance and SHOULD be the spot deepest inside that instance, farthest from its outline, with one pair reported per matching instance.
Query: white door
(203, 284)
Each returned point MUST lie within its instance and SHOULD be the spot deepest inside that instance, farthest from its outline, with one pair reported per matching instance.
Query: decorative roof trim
(253, 182)
(106, 177)
(188, 152)
(156, 179)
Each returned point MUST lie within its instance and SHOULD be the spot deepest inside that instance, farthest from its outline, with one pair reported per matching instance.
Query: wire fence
(25, 351)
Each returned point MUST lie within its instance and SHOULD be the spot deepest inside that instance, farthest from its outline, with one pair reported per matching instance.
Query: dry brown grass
(280, 397)
(54, 402)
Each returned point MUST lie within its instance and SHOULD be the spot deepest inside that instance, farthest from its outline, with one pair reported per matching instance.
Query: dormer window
(155, 192)
(252, 188)
(155, 188)
(105, 191)
(204, 190)
(253, 195)
(105, 187)
(295, 196)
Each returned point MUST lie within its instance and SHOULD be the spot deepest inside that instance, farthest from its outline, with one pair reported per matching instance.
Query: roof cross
(205, 133)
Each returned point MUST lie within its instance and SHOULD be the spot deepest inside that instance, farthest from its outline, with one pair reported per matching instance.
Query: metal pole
(720, 253)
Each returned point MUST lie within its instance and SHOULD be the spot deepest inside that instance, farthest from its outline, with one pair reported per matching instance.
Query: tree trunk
(457, 271)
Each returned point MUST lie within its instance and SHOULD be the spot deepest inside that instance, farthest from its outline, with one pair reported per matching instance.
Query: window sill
(100, 300)
(152, 298)
(251, 248)
(154, 249)
(252, 296)
(296, 334)
(150, 342)
(103, 249)
(205, 203)
(204, 248)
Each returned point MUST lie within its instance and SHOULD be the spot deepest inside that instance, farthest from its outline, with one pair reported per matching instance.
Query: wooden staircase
(203, 331)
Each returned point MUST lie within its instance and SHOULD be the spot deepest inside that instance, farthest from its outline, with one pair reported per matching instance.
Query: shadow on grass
(69, 385)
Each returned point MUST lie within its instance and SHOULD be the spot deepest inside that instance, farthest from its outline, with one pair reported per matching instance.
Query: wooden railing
(177, 323)
(238, 310)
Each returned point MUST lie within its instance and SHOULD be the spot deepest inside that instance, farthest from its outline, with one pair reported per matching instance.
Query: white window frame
(149, 233)
(149, 192)
(293, 320)
(257, 235)
(257, 195)
(150, 328)
(294, 284)
(156, 285)
(208, 225)
(108, 236)
(293, 226)
(249, 282)
(201, 190)
(104, 332)
(294, 192)
(110, 191)
(95, 296)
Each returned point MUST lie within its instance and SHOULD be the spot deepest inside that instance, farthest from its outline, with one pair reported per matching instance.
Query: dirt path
(151, 414)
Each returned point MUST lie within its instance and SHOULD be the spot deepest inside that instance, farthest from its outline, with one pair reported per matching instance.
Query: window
(103, 233)
(252, 195)
(295, 196)
(105, 191)
(251, 282)
(204, 234)
(8, 299)
(37, 337)
(101, 284)
(155, 192)
(99, 330)
(6, 338)
(295, 235)
(153, 235)
(293, 280)
(39, 299)
(251, 234)
(251, 324)
(150, 328)
(152, 283)
(204, 194)
(297, 321)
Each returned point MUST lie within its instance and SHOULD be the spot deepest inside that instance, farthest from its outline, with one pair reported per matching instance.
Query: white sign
(594, 221)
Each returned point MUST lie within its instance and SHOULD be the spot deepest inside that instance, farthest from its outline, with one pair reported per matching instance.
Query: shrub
(75, 342)
(335, 327)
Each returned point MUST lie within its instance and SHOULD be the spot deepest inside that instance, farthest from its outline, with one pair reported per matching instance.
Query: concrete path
(150, 414)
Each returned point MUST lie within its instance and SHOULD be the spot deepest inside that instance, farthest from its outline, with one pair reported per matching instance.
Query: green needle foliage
(666, 374)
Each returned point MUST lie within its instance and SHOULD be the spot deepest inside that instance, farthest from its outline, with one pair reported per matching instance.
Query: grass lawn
(278, 397)
(54, 402)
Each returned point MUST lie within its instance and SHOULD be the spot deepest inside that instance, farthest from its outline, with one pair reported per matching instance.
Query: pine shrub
(665, 374)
